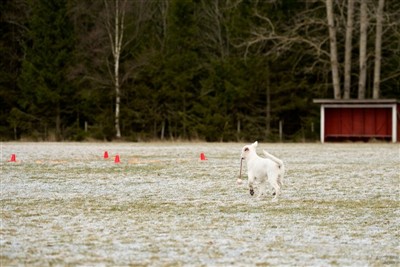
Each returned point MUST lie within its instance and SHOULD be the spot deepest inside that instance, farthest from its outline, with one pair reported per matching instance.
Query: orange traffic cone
(117, 159)
(105, 154)
(202, 156)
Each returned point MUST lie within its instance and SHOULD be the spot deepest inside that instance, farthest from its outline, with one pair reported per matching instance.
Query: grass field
(64, 204)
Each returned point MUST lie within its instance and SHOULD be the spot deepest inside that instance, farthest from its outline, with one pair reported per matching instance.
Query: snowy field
(64, 204)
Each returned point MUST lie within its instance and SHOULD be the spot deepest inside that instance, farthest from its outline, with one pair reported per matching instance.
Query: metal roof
(356, 101)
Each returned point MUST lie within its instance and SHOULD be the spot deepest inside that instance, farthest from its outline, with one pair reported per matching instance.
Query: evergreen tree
(188, 69)
(13, 17)
(45, 88)
(181, 66)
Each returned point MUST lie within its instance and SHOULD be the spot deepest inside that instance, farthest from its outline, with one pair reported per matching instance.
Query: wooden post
(322, 136)
(162, 129)
(394, 123)
(280, 130)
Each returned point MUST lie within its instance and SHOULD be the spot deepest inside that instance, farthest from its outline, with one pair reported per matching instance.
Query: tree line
(214, 70)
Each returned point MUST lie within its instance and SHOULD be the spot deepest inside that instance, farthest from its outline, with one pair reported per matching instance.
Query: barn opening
(359, 120)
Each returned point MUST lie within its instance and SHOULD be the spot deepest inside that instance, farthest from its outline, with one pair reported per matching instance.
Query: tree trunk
(348, 46)
(162, 129)
(119, 30)
(116, 35)
(117, 98)
(15, 131)
(333, 49)
(363, 50)
(378, 50)
(184, 119)
(58, 123)
(268, 102)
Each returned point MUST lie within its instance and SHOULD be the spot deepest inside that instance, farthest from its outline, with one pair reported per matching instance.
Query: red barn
(355, 119)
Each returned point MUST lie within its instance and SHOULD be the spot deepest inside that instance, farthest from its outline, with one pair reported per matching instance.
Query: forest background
(212, 70)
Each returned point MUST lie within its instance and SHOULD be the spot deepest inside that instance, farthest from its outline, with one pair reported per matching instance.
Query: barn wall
(358, 122)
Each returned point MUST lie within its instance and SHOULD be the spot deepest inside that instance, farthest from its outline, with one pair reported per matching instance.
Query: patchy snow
(62, 203)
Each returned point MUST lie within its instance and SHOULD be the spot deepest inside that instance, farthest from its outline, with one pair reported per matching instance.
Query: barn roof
(355, 101)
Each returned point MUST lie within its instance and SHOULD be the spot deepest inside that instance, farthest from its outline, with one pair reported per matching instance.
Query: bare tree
(163, 8)
(115, 25)
(275, 38)
(378, 49)
(307, 29)
(363, 49)
(348, 47)
(215, 32)
(333, 49)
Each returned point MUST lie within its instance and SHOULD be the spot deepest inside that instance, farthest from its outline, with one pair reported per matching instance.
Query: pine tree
(46, 92)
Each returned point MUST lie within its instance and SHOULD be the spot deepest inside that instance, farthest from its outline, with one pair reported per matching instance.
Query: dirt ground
(64, 204)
